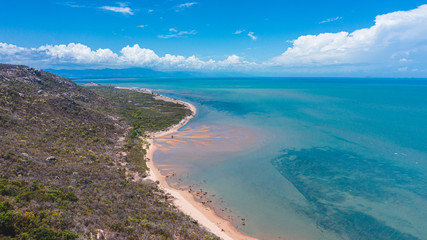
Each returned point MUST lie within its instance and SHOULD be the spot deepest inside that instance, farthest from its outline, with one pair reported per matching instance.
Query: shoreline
(184, 200)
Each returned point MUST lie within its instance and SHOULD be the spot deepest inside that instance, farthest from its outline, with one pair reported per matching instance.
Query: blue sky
(281, 37)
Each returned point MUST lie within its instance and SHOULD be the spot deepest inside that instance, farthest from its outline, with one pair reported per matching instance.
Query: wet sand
(183, 199)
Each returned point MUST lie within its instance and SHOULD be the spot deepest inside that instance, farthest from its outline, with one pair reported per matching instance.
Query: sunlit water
(312, 158)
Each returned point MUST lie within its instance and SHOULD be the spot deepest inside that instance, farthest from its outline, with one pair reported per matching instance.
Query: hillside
(69, 157)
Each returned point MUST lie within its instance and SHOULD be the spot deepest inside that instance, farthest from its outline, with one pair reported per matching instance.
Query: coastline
(184, 200)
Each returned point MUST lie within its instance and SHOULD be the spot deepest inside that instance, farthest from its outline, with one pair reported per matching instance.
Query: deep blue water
(335, 158)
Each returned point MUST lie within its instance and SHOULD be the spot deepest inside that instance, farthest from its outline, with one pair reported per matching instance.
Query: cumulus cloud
(252, 36)
(78, 53)
(330, 20)
(142, 26)
(174, 33)
(75, 55)
(122, 8)
(394, 36)
(233, 59)
(10, 49)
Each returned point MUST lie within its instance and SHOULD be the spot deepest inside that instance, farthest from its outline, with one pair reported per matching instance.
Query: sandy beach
(184, 200)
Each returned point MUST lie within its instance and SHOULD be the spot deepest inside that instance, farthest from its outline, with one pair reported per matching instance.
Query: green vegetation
(62, 149)
(143, 111)
(33, 224)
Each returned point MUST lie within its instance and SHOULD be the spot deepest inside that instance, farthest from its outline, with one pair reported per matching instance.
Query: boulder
(25, 155)
(51, 159)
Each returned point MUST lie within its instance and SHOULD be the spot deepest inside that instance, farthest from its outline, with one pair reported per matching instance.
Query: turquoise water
(333, 159)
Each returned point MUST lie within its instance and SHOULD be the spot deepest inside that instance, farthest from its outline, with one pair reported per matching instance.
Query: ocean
(304, 158)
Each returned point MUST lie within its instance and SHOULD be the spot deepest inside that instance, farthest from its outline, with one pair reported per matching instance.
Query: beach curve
(184, 200)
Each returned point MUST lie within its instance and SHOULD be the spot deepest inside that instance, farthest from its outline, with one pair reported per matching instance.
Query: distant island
(72, 162)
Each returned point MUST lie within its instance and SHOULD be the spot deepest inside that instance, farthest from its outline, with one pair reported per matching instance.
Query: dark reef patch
(327, 177)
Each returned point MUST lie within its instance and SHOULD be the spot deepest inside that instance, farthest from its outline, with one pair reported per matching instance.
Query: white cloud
(252, 36)
(142, 26)
(122, 8)
(10, 49)
(233, 59)
(138, 56)
(186, 5)
(174, 33)
(238, 31)
(396, 35)
(76, 55)
(73, 5)
(183, 6)
(330, 20)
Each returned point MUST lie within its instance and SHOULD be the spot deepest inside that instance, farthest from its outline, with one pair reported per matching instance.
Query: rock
(91, 84)
(38, 72)
(25, 155)
(100, 235)
(51, 159)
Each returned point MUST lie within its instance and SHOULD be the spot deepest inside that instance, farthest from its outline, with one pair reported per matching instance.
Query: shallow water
(305, 158)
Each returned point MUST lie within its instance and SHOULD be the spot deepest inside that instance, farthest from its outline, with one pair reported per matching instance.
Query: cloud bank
(76, 55)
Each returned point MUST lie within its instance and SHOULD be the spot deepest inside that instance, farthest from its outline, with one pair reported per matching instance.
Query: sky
(275, 37)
